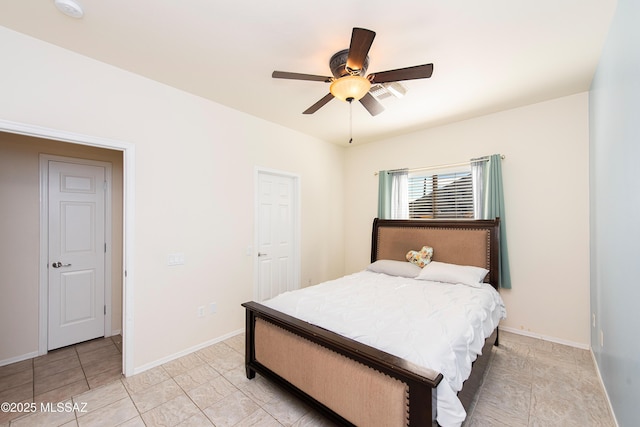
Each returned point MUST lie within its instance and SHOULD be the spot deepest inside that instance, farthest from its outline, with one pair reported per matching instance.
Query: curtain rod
(450, 165)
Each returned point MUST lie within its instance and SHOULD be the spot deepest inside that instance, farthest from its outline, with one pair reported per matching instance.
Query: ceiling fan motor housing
(338, 65)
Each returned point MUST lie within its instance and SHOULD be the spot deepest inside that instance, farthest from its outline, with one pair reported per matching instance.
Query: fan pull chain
(350, 120)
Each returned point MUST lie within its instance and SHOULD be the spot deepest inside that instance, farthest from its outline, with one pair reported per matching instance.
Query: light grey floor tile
(99, 354)
(54, 355)
(63, 393)
(314, 419)
(231, 410)
(108, 363)
(530, 382)
(197, 420)
(20, 393)
(156, 395)
(263, 391)
(237, 343)
(259, 418)
(183, 364)
(104, 378)
(211, 392)
(47, 418)
(57, 380)
(16, 367)
(92, 345)
(196, 377)
(509, 398)
(133, 422)
(287, 411)
(170, 413)
(221, 357)
(16, 379)
(46, 369)
(146, 379)
(238, 377)
(113, 414)
(102, 396)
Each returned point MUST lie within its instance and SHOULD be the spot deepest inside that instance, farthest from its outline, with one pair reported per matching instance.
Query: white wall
(546, 196)
(194, 167)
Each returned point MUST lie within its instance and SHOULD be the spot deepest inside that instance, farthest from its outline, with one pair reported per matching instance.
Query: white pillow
(453, 273)
(395, 268)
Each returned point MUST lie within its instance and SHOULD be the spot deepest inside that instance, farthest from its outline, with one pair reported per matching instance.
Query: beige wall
(194, 179)
(546, 180)
(20, 243)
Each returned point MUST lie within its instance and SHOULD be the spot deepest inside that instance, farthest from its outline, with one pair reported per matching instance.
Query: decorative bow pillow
(421, 257)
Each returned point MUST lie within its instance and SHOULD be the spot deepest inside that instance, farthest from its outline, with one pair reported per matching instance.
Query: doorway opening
(127, 151)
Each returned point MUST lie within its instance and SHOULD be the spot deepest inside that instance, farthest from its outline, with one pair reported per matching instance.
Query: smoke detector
(69, 8)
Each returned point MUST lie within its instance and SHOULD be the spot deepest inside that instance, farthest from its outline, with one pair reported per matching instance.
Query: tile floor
(529, 383)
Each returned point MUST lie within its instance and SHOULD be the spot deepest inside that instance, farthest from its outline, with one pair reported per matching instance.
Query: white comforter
(436, 325)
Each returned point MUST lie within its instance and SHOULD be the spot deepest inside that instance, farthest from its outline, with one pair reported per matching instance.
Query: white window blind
(438, 194)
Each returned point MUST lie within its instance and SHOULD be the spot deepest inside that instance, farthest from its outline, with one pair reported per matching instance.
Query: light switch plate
(175, 259)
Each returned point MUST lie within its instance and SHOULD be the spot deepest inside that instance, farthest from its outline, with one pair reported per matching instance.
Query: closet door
(76, 253)
(276, 234)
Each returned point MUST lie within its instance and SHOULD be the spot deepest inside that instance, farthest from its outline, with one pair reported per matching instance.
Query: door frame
(44, 244)
(128, 202)
(256, 224)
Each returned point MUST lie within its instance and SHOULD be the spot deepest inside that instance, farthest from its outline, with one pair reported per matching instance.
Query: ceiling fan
(348, 67)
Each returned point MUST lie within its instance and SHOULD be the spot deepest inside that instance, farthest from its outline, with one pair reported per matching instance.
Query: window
(436, 194)
(470, 190)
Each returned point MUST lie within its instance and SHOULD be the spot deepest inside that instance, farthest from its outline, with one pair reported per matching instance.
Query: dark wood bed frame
(390, 240)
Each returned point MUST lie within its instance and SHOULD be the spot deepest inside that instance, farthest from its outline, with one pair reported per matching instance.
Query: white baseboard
(19, 358)
(185, 352)
(545, 338)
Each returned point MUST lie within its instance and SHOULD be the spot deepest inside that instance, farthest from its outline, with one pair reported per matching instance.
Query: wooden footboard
(336, 372)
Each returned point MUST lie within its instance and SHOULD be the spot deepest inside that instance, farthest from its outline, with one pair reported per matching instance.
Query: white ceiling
(488, 55)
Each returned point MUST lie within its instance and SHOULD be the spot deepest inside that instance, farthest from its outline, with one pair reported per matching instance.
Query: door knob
(59, 264)
(261, 254)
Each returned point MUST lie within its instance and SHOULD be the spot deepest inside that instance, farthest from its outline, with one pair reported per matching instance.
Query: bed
(363, 378)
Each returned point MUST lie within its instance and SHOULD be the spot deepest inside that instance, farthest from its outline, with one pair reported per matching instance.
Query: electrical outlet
(201, 311)
(213, 308)
(593, 320)
(601, 339)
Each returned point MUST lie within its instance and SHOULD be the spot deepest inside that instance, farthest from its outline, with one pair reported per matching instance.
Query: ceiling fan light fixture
(350, 88)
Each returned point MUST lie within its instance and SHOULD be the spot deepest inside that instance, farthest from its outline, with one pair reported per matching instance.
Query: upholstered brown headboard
(465, 242)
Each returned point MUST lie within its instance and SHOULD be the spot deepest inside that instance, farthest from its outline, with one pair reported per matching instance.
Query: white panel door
(275, 234)
(76, 225)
